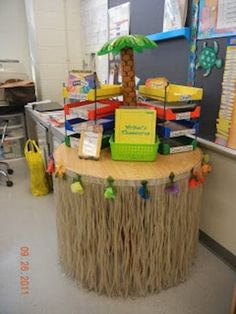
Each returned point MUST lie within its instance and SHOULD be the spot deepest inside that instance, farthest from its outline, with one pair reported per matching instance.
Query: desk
(128, 246)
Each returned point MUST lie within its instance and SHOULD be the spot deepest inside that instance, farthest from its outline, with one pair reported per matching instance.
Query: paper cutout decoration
(208, 58)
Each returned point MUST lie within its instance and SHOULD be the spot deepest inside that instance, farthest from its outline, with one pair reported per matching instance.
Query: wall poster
(119, 25)
(217, 18)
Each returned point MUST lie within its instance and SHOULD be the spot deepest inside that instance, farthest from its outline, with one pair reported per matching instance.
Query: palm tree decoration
(126, 46)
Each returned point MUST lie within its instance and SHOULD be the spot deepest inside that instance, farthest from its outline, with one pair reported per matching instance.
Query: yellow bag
(40, 184)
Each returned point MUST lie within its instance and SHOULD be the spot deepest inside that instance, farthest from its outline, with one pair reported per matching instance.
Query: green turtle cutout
(208, 58)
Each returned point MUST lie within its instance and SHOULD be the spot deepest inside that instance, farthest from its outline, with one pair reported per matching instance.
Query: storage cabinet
(14, 140)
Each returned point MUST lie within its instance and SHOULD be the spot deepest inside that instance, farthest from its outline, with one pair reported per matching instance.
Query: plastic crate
(173, 93)
(178, 114)
(76, 125)
(191, 111)
(177, 145)
(13, 119)
(133, 152)
(78, 109)
(13, 147)
(171, 129)
(106, 91)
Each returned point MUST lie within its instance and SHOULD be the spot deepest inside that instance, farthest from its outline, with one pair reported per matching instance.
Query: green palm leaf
(137, 42)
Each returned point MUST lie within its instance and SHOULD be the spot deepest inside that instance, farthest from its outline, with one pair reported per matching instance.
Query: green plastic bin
(133, 152)
(177, 145)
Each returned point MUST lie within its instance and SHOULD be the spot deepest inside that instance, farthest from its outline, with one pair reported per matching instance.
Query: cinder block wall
(55, 43)
(94, 30)
(63, 35)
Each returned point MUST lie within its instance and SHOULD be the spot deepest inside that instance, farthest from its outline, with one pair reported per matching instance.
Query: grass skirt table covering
(128, 246)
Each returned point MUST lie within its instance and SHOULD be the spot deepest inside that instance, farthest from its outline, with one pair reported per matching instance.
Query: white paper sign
(180, 149)
(183, 116)
(226, 17)
(119, 20)
(90, 144)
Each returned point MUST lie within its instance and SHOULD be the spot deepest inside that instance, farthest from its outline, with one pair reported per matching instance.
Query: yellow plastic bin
(174, 93)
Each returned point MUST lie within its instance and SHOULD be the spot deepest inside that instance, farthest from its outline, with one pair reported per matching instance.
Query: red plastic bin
(100, 112)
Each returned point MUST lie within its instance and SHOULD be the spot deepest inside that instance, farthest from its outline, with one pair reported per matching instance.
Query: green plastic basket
(133, 152)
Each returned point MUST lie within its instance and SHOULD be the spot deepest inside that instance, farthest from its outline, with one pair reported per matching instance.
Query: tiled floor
(30, 221)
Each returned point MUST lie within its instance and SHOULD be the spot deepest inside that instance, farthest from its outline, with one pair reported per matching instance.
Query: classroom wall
(55, 43)
(64, 36)
(218, 214)
(94, 33)
(13, 32)
(170, 59)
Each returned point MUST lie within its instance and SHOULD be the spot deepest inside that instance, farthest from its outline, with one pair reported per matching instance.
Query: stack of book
(226, 122)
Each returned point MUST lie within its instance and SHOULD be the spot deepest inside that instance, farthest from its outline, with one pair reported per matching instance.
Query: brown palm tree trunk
(128, 77)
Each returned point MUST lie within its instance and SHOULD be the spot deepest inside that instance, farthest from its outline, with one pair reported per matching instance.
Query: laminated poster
(217, 18)
(175, 13)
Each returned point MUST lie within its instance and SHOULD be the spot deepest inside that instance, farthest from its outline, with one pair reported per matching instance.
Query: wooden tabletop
(127, 170)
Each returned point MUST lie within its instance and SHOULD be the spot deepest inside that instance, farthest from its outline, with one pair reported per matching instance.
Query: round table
(128, 246)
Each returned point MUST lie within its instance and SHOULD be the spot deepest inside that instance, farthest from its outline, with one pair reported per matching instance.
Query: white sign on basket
(185, 97)
(182, 132)
(180, 149)
(183, 115)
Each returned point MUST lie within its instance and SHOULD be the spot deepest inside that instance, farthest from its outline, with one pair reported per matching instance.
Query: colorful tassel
(200, 176)
(60, 172)
(196, 179)
(143, 190)
(67, 141)
(205, 159)
(76, 186)
(110, 190)
(171, 186)
(51, 165)
(206, 167)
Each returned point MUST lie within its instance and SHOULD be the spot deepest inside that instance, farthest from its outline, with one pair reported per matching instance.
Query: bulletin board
(171, 59)
(146, 17)
(217, 18)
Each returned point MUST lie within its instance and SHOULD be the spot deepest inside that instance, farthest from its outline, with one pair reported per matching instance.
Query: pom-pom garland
(143, 190)
(51, 165)
(110, 190)
(171, 186)
(77, 186)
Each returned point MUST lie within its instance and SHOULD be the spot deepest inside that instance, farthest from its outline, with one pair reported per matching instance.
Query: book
(135, 126)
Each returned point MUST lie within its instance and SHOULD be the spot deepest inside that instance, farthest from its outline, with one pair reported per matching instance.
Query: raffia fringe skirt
(127, 246)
